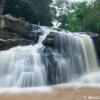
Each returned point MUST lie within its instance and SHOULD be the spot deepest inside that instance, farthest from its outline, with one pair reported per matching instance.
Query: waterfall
(73, 57)
(37, 65)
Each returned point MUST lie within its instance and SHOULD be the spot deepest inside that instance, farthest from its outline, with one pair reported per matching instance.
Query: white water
(75, 57)
(24, 66)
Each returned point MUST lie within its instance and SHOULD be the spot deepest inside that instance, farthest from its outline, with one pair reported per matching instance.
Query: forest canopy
(73, 16)
(34, 11)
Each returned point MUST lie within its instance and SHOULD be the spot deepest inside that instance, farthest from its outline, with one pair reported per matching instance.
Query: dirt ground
(57, 93)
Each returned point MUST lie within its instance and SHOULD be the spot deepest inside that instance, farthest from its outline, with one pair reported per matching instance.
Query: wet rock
(53, 76)
(9, 40)
(91, 34)
(25, 29)
(96, 39)
(97, 45)
(9, 43)
(5, 34)
(34, 33)
(14, 25)
(50, 39)
(14, 32)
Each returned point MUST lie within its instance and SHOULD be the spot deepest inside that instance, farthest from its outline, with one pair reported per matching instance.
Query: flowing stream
(36, 65)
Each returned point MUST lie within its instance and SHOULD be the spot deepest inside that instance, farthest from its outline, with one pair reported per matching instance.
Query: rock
(14, 32)
(50, 63)
(24, 29)
(14, 24)
(91, 34)
(50, 39)
(96, 39)
(5, 34)
(34, 34)
(6, 44)
(9, 40)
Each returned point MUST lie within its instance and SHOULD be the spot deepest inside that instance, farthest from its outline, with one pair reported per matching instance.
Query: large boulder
(14, 32)
(50, 39)
(24, 29)
(14, 24)
(5, 34)
(9, 39)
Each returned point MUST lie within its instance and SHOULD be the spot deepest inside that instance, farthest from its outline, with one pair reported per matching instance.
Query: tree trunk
(1, 6)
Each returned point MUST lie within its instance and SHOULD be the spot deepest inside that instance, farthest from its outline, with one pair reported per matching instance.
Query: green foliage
(80, 16)
(85, 17)
(34, 11)
(62, 8)
(77, 17)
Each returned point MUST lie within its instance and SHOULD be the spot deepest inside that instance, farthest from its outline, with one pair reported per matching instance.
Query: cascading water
(22, 66)
(72, 57)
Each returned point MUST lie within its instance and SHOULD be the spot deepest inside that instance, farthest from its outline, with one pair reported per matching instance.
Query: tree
(77, 17)
(34, 11)
(84, 17)
(63, 7)
(1, 6)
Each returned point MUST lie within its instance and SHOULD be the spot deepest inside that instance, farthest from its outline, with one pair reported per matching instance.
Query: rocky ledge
(14, 32)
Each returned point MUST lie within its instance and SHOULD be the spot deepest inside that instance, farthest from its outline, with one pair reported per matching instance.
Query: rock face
(15, 32)
(34, 33)
(96, 39)
(50, 39)
(6, 44)
(5, 34)
(14, 24)
(51, 65)
(97, 45)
